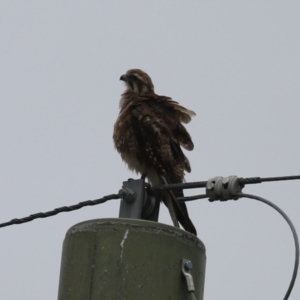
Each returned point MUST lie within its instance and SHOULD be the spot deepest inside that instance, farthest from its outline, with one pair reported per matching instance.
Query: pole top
(117, 224)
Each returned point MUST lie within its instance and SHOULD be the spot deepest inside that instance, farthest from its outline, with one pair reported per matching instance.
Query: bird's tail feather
(180, 208)
(184, 219)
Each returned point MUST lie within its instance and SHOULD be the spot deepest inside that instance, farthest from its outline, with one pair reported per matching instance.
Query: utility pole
(129, 258)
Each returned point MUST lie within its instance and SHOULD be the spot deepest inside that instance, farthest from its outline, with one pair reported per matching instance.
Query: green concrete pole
(129, 259)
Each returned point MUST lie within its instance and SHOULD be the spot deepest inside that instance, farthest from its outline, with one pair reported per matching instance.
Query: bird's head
(138, 82)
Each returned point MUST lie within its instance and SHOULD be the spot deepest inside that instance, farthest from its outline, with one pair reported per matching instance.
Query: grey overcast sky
(236, 63)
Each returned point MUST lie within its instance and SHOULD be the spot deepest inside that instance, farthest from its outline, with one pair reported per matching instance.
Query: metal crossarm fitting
(137, 202)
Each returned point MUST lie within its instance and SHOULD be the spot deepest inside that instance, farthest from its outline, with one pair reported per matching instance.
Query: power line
(60, 210)
(243, 181)
(294, 232)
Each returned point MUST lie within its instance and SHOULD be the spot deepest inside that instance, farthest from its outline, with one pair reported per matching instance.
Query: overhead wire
(191, 198)
(60, 210)
(243, 181)
(294, 232)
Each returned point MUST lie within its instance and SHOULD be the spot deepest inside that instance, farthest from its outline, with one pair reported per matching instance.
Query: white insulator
(223, 188)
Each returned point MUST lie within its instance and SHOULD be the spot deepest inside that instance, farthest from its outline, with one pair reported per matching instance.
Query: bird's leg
(171, 209)
(170, 203)
(147, 184)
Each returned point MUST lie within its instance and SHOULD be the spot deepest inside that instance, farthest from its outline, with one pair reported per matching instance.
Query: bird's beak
(124, 78)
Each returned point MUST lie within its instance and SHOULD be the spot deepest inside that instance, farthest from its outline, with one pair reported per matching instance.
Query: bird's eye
(133, 77)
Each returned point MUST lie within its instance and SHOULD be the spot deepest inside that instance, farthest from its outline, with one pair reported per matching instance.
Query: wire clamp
(186, 267)
(223, 188)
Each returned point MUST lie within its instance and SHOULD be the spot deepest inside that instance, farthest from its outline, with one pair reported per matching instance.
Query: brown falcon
(148, 134)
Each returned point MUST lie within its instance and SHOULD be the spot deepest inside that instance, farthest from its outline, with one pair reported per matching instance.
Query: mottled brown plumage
(148, 134)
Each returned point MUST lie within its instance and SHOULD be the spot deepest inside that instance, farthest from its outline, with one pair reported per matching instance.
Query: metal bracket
(151, 204)
(223, 188)
(186, 267)
(137, 202)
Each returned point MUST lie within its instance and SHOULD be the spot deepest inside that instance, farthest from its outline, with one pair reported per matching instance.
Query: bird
(149, 134)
